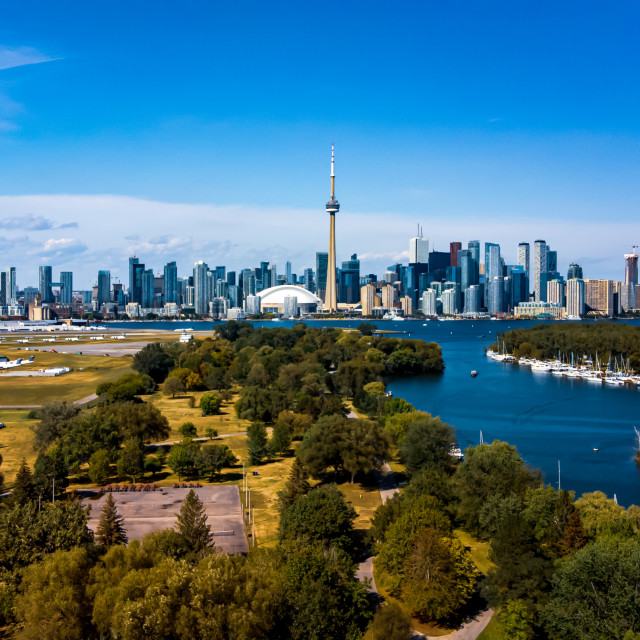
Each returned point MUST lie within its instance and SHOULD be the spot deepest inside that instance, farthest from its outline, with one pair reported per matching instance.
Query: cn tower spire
(333, 206)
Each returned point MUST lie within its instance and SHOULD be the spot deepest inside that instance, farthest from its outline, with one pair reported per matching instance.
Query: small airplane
(5, 363)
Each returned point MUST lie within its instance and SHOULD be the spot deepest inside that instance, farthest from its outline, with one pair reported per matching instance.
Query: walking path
(388, 487)
(170, 443)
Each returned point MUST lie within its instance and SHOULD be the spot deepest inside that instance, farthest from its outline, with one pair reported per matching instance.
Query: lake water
(548, 418)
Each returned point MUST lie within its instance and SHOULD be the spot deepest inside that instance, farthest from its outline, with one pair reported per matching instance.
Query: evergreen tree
(297, 485)
(192, 524)
(110, 529)
(574, 537)
(24, 489)
(256, 442)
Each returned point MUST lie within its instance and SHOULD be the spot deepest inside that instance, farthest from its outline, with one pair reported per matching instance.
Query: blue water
(548, 418)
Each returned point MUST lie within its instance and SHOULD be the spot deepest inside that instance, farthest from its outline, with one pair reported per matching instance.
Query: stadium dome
(274, 299)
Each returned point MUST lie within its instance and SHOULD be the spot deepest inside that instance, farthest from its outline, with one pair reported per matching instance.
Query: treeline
(607, 339)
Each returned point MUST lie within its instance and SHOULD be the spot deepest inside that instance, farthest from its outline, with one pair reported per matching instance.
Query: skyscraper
(418, 249)
(45, 284)
(474, 248)
(287, 269)
(349, 290)
(3, 288)
(201, 301)
(170, 282)
(574, 272)
(322, 260)
(454, 247)
(66, 287)
(539, 270)
(631, 268)
(524, 260)
(147, 289)
(104, 287)
(12, 298)
(132, 278)
(333, 206)
(575, 297)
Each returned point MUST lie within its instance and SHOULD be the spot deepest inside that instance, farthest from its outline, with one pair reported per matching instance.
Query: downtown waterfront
(548, 418)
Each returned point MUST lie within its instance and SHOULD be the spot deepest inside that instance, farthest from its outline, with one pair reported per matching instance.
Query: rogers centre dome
(273, 299)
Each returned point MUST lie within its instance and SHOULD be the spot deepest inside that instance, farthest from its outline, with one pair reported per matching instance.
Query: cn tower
(333, 206)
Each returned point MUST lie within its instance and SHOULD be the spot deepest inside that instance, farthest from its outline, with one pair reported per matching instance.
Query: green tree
(110, 529)
(143, 421)
(211, 459)
(601, 515)
(192, 525)
(210, 404)
(440, 576)
(390, 622)
(297, 485)
(54, 417)
(280, 441)
(188, 430)
(51, 472)
(490, 470)
(364, 446)
(99, 467)
(517, 620)
(428, 442)
(596, 592)
(182, 458)
(152, 465)
(24, 489)
(131, 459)
(173, 386)
(322, 515)
(322, 445)
(211, 433)
(53, 603)
(256, 442)
(154, 361)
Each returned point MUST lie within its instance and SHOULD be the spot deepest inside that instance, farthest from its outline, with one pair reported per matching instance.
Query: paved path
(388, 487)
(170, 443)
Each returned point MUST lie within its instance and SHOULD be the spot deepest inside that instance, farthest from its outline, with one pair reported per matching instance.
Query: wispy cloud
(11, 57)
(32, 222)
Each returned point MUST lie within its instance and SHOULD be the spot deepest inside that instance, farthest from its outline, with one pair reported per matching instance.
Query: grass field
(87, 372)
(15, 443)
(493, 630)
(479, 551)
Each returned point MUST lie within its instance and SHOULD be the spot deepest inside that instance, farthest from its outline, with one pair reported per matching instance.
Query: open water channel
(548, 418)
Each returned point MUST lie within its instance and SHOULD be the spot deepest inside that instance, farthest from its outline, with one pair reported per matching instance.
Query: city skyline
(116, 140)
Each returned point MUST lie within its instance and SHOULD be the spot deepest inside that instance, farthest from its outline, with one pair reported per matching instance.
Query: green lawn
(479, 551)
(15, 443)
(492, 631)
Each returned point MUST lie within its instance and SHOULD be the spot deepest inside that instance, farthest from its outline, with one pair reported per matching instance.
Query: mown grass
(16, 443)
(479, 551)
(493, 631)
(87, 373)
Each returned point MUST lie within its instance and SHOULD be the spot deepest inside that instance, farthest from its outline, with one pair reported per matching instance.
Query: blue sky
(199, 130)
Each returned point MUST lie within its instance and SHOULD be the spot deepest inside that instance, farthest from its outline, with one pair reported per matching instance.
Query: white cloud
(60, 248)
(11, 57)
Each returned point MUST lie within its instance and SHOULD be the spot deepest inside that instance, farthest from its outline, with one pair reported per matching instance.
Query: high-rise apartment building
(148, 289)
(309, 284)
(104, 287)
(428, 303)
(598, 296)
(539, 270)
(406, 304)
(12, 293)
(45, 284)
(418, 250)
(287, 269)
(66, 287)
(388, 296)
(367, 299)
(555, 292)
(473, 299)
(575, 297)
(524, 261)
(3, 289)
(496, 295)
